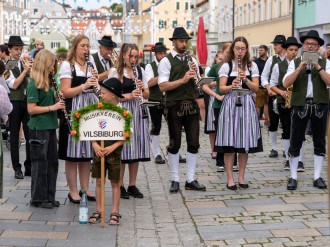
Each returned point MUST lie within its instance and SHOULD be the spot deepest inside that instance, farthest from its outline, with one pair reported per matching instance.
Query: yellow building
(147, 24)
(259, 21)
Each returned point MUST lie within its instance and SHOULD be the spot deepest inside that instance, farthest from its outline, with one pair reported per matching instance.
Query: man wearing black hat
(176, 79)
(102, 58)
(17, 82)
(283, 95)
(279, 56)
(309, 101)
(156, 112)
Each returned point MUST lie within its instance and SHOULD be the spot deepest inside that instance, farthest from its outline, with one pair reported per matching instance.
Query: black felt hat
(279, 39)
(15, 40)
(114, 86)
(180, 33)
(159, 47)
(107, 41)
(313, 34)
(291, 41)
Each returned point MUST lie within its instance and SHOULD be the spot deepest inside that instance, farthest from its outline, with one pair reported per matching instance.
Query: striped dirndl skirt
(238, 127)
(210, 128)
(138, 148)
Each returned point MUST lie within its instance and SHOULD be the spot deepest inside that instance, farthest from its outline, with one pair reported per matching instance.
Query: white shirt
(224, 70)
(164, 67)
(275, 74)
(65, 71)
(149, 71)
(11, 79)
(266, 72)
(292, 68)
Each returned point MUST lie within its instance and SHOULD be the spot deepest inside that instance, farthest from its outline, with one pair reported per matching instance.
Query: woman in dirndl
(77, 86)
(135, 86)
(238, 128)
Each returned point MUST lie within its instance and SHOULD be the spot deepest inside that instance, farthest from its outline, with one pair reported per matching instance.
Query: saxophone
(288, 97)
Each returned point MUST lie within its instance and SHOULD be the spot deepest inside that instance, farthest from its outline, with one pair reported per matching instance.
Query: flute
(60, 97)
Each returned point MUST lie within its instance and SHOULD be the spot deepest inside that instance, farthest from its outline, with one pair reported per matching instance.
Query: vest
(99, 64)
(19, 93)
(155, 93)
(178, 70)
(282, 68)
(275, 60)
(320, 92)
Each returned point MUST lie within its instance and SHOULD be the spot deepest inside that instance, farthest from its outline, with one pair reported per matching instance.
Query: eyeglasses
(242, 49)
(85, 46)
(313, 45)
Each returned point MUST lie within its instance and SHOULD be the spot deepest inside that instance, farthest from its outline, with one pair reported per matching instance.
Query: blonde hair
(38, 42)
(43, 62)
(121, 61)
(72, 52)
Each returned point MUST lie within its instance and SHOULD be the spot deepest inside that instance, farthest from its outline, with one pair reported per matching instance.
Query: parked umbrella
(201, 43)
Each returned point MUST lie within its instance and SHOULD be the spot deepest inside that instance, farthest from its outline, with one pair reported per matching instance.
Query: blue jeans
(44, 165)
(186, 114)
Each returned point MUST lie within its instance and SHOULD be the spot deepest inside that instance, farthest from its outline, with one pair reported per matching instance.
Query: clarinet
(143, 109)
(90, 67)
(196, 77)
(60, 97)
(239, 67)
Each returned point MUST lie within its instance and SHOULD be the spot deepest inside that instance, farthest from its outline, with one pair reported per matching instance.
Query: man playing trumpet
(17, 83)
(309, 101)
(105, 58)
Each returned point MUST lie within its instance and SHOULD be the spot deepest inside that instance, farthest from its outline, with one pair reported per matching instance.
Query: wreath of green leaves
(75, 116)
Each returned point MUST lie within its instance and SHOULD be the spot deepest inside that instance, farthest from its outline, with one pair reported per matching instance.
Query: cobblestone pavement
(266, 214)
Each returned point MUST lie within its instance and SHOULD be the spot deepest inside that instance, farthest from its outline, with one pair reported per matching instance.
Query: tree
(113, 6)
(31, 45)
(119, 8)
(60, 50)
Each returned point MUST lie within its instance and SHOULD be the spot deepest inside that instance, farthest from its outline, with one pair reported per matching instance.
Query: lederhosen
(156, 112)
(69, 149)
(138, 148)
(181, 109)
(238, 127)
(304, 109)
(19, 115)
(273, 117)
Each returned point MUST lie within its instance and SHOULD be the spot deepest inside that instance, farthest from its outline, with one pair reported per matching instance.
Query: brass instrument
(90, 67)
(60, 97)
(136, 78)
(114, 58)
(288, 97)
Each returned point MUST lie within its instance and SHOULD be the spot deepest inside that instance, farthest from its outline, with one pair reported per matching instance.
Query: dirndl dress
(209, 120)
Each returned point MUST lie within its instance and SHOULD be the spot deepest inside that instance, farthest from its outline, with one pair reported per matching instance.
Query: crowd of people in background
(244, 91)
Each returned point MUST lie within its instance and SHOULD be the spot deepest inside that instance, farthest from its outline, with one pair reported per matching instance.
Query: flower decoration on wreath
(78, 114)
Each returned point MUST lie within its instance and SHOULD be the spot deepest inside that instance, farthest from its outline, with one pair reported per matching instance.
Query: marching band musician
(176, 79)
(77, 84)
(276, 84)
(156, 112)
(17, 83)
(102, 60)
(309, 101)
(265, 77)
(135, 86)
(238, 126)
(43, 124)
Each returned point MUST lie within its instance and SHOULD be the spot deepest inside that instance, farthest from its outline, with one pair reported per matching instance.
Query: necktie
(104, 64)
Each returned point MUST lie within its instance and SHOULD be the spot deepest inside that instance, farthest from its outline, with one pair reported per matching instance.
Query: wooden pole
(102, 186)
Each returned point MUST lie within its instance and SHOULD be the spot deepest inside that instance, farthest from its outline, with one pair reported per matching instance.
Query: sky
(90, 4)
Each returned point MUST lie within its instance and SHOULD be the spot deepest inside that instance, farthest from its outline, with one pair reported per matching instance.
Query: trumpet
(136, 78)
(90, 67)
(113, 58)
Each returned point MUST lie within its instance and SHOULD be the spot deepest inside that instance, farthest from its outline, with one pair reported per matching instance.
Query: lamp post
(2, 26)
(153, 22)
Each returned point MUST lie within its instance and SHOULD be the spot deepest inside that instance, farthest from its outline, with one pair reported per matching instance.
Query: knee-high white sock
(294, 166)
(318, 163)
(273, 139)
(191, 166)
(286, 145)
(155, 145)
(173, 160)
(302, 149)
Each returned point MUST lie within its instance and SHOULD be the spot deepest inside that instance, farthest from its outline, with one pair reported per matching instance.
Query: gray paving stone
(22, 242)
(80, 243)
(286, 225)
(26, 227)
(215, 211)
(233, 235)
(317, 205)
(252, 201)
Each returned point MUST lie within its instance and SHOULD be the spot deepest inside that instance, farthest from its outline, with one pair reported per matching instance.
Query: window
(35, 11)
(174, 24)
(55, 45)
(161, 40)
(177, 5)
(188, 24)
(162, 24)
(186, 6)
